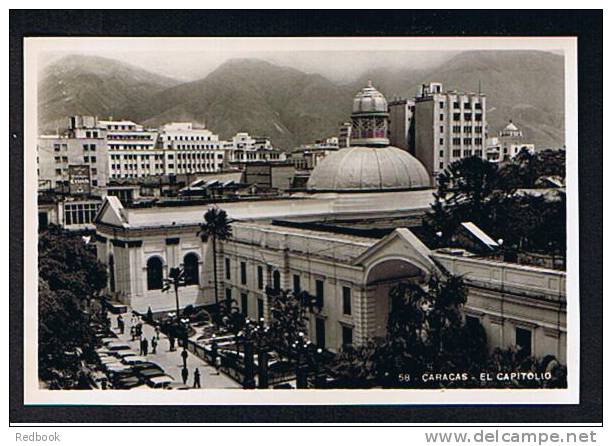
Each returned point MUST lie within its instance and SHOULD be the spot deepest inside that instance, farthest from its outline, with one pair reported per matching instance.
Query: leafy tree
(288, 324)
(69, 277)
(216, 226)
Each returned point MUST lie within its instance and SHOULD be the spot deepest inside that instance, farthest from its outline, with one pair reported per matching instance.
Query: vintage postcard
(301, 221)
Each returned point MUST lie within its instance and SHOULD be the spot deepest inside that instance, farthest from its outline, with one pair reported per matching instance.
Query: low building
(507, 144)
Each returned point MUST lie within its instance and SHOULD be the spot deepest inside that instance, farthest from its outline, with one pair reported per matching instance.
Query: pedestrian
(145, 347)
(185, 375)
(157, 332)
(141, 346)
(150, 315)
(119, 321)
(196, 379)
(133, 332)
(154, 345)
(184, 355)
(218, 364)
(171, 343)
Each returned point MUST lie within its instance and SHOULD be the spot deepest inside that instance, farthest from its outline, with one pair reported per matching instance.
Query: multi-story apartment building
(190, 150)
(401, 124)
(133, 151)
(77, 159)
(449, 125)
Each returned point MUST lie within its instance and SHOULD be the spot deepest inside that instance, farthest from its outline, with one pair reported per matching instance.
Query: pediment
(400, 244)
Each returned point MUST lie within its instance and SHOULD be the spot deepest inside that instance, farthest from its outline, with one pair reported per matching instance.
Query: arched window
(192, 269)
(111, 273)
(276, 280)
(154, 273)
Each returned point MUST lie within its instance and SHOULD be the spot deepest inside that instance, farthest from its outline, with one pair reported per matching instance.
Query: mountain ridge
(292, 107)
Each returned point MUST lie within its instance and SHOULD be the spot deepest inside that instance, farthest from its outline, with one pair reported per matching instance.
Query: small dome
(369, 100)
(368, 169)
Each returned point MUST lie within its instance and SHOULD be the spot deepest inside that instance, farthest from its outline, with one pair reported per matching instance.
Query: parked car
(127, 382)
(133, 359)
(160, 382)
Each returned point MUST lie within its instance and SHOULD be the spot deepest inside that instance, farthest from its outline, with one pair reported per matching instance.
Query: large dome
(369, 100)
(368, 169)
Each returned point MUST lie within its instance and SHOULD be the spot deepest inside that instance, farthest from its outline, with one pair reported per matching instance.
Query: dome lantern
(370, 118)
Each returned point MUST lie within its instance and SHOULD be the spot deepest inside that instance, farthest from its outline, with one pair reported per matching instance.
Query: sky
(339, 59)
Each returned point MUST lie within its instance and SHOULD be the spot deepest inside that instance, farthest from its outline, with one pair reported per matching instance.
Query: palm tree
(175, 280)
(216, 226)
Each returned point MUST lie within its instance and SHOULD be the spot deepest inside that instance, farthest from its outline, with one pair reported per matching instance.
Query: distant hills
(292, 107)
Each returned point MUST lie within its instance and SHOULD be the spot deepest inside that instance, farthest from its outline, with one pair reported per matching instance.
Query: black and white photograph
(301, 220)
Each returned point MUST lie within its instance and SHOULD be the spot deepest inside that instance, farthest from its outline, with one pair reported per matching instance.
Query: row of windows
(91, 134)
(89, 147)
(319, 284)
(186, 138)
(194, 146)
(80, 213)
(456, 105)
(466, 153)
(88, 159)
(466, 141)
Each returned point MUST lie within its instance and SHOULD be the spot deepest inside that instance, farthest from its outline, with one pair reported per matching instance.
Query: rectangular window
(441, 141)
(320, 331)
(347, 336)
(441, 104)
(320, 294)
(228, 272)
(346, 300)
(228, 294)
(441, 117)
(260, 309)
(441, 129)
(244, 304)
(260, 277)
(296, 283)
(523, 341)
(456, 116)
(243, 273)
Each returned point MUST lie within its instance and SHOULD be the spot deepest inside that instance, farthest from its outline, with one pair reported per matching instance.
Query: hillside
(292, 107)
(91, 85)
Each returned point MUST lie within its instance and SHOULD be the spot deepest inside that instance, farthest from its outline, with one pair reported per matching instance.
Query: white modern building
(449, 126)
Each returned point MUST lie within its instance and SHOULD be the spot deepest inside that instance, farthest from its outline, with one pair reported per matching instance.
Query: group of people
(136, 332)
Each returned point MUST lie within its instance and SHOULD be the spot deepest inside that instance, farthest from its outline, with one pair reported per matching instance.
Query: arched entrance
(380, 278)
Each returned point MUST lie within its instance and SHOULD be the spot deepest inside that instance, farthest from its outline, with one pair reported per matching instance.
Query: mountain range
(292, 107)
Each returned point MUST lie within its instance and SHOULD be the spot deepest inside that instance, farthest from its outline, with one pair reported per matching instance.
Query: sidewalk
(172, 362)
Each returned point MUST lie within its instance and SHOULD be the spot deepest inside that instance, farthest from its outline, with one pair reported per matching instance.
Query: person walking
(196, 379)
(120, 324)
(218, 364)
(157, 332)
(141, 346)
(133, 332)
(184, 355)
(153, 345)
(171, 343)
(185, 375)
(145, 346)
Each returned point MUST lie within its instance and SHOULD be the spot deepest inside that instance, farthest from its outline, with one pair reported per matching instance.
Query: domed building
(370, 163)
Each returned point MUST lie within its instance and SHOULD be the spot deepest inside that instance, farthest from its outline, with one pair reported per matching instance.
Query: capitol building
(348, 239)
